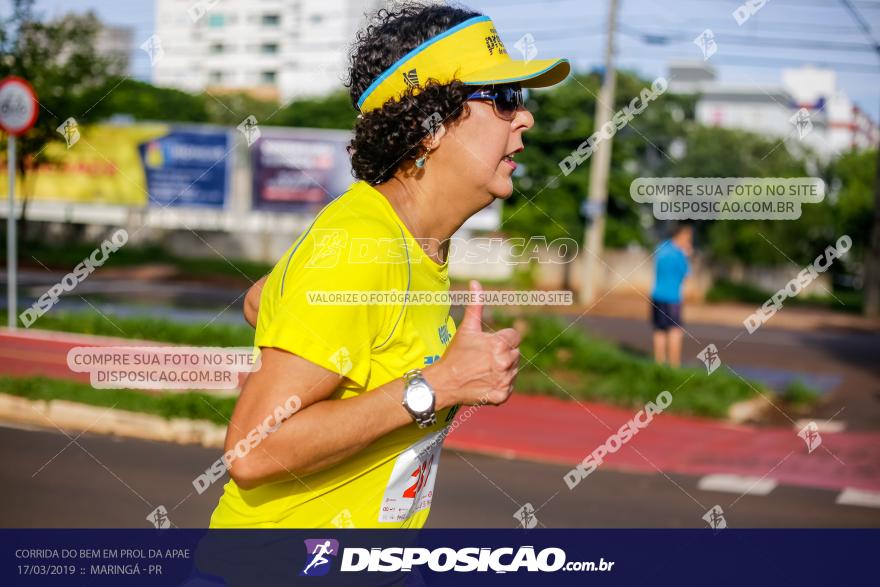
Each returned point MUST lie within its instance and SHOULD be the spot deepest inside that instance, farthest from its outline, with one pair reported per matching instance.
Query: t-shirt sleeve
(338, 336)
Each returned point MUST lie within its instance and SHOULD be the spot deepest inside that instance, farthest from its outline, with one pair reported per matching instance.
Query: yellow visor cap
(471, 52)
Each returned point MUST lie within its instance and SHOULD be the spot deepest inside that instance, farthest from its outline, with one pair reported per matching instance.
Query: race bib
(411, 485)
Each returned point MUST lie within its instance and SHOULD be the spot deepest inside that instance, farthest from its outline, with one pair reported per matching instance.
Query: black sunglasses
(506, 99)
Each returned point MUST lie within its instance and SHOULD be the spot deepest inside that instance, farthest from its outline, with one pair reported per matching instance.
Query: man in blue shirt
(670, 268)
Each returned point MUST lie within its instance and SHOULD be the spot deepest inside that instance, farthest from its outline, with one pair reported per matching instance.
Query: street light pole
(600, 165)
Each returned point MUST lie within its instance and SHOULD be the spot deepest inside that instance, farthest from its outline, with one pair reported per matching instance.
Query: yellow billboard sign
(97, 164)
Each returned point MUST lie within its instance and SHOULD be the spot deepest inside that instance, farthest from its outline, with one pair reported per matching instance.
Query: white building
(271, 48)
(807, 106)
(846, 126)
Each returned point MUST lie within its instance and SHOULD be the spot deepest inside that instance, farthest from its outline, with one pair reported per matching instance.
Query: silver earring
(420, 162)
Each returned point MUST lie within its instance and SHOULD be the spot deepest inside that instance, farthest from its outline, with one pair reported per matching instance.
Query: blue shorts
(665, 315)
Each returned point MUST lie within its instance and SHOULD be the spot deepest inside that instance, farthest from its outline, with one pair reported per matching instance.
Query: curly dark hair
(390, 137)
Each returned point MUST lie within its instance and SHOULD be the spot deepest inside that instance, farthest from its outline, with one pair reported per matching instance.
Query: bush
(146, 328)
(189, 405)
(567, 363)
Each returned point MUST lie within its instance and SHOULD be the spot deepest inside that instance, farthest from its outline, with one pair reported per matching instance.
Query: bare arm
(323, 431)
(252, 301)
(478, 367)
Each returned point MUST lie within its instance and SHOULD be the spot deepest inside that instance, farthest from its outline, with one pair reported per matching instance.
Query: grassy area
(566, 362)
(563, 362)
(193, 406)
(68, 256)
(724, 290)
(799, 395)
(146, 328)
(522, 277)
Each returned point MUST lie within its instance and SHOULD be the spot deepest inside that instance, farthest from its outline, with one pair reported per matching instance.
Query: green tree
(58, 58)
(143, 101)
(851, 179)
(548, 202)
(231, 109)
(718, 152)
(331, 111)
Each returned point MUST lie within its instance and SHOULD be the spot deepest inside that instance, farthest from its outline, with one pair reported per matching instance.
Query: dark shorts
(665, 315)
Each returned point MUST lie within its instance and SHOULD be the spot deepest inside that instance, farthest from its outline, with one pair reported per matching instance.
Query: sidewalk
(565, 432)
(625, 302)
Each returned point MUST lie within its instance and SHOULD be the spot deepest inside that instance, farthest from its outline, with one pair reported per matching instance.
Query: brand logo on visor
(411, 78)
(493, 42)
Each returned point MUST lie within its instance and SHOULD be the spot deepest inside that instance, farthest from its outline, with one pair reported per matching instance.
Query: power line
(729, 60)
(862, 23)
(739, 59)
(866, 4)
(664, 38)
(679, 37)
(769, 26)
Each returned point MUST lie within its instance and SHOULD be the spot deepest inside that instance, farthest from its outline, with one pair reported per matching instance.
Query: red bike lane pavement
(565, 432)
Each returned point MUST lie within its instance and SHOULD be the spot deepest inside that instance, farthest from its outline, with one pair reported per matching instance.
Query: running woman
(441, 117)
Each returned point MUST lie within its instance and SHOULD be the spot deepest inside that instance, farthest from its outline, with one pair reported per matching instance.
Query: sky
(780, 34)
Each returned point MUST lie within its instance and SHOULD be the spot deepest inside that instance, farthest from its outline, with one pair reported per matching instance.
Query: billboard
(101, 165)
(188, 166)
(132, 165)
(296, 168)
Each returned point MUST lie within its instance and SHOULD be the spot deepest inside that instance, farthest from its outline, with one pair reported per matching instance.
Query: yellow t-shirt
(356, 243)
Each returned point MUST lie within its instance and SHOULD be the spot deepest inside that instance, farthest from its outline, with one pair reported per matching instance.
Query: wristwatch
(418, 398)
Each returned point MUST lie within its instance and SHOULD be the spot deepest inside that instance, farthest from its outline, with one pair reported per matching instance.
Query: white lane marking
(741, 484)
(862, 497)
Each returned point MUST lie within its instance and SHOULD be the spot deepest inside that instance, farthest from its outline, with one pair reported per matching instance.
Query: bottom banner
(197, 558)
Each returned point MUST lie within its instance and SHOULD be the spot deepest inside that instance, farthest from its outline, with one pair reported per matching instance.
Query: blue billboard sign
(188, 167)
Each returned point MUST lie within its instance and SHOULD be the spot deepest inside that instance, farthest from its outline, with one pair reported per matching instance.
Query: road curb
(78, 417)
(750, 410)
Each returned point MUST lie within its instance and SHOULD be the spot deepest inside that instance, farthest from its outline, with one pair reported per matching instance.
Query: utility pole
(600, 165)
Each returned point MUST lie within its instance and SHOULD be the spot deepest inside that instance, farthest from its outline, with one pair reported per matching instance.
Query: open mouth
(509, 158)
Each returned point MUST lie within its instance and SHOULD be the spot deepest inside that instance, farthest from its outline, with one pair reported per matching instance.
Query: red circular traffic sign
(18, 105)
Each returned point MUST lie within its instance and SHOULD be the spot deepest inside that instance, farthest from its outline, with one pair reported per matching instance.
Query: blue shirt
(670, 268)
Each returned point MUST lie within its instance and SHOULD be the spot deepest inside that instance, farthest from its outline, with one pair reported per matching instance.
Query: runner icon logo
(318, 556)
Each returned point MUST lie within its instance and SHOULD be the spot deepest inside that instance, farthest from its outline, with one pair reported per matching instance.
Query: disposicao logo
(318, 556)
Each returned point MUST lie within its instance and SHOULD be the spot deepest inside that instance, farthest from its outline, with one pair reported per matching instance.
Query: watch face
(419, 398)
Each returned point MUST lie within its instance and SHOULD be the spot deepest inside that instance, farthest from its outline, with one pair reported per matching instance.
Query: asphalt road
(52, 480)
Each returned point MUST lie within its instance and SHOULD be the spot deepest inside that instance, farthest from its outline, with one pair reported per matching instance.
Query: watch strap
(423, 419)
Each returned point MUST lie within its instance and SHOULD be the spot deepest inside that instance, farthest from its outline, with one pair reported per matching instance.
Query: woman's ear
(436, 131)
